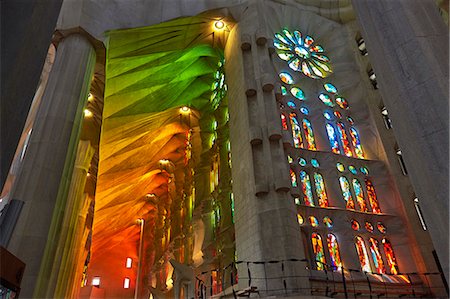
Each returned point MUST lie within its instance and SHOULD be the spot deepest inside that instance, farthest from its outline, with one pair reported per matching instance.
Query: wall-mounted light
(129, 263)
(96, 281)
(88, 113)
(185, 109)
(126, 283)
(90, 97)
(219, 25)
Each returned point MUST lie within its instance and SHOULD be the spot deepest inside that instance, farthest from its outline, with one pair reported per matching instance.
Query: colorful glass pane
(315, 163)
(283, 90)
(319, 255)
(304, 110)
(326, 99)
(313, 221)
(355, 225)
(298, 93)
(342, 102)
(302, 162)
(291, 104)
(376, 256)
(390, 256)
(369, 227)
(297, 201)
(381, 228)
(294, 64)
(320, 190)
(331, 132)
(344, 140)
(362, 254)
(309, 135)
(290, 160)
(328, 222)
(300, 219)
(345, 188)
(372, 197)
(333, 249)
(293, 178)
(353, 169)
(306, 189)
(350, 120)
(340, 167)
(364, 170)
(330, 88)
(296, 131)
(286, 78)
(356, 143)
(337, 114)
(327, 115)
(359, 195)
(284, 122)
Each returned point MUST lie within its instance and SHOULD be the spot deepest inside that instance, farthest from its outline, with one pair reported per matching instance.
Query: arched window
(284, 122)
(344, 140)
(293, 178)
(332, 137)
(345, 187)
(335, 256)
(372, 196)
(319, 256)
(390, 256)
(362, 254)
(309, 135)
(306, 188)
(376, 256)
(356, 143)
(296, 131)
(359, 195)
(320, 190)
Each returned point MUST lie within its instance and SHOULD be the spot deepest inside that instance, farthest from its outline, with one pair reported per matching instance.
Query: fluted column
(45, 176)
(410, 59)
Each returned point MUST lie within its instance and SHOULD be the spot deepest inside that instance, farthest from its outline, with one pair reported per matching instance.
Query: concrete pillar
(45, 176)
(408, 46)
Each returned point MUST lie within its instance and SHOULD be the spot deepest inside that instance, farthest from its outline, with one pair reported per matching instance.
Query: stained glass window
(353, 169)
(355, 225)
(315, 163)
(283, 90)
(300, 219)
(326, 99)
(390, 256)
(313, 221)
(286, 78)
(309, 135)
(345, 187)
(301, 54)
(342, 102)
(359, 195)
(302, 161)
(304, 110)
(344, 140)
(330, 88)
(369, 227)
(335, 256)
(350, 120)
(328, 222)
(337, 114)
(381, 228)
(356, 143)
(327, 115)
(372, 196)
(291, 105)
(290, 160)
(331, 132)
(340, 167)
(284, 122)
(306, 189)
(298, 93)
(320, 190)
(364, 170)
(376, 256)
(362, 254)
(293, 178)
(296, 130)
(319, 255)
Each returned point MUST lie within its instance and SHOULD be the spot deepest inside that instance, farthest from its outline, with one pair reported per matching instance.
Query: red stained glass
(284, 122)
(372, 196)
(335, 256)
(309, 135)
(376, 256)
(319, 255)
(390, 256)
(344, 140)
(362, 254)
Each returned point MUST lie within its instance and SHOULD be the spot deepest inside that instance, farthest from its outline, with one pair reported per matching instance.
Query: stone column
(408, 46)
(45, 176)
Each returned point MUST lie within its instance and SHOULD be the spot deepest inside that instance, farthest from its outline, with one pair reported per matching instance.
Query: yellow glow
(126, 283)
(219, 25)
(88, 113)
(164, 161)
(185, 109)
(150, 195)
(96, 281)
(90, 97)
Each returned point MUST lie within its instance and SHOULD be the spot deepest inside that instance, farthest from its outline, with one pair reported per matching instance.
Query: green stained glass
(298, 93)
(342, 102)
(286, 78)
(302, 162)
(315, 163)
(306, 188)
(326, 99)
(353, 169)
(328, 222)
(340, 167)
(330, 88)
(283, 90)
(364, 170)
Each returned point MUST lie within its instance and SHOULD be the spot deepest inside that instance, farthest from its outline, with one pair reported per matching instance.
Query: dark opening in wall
(373, 78)
(419, 213)
(361, 45)
(386, 119)
(401, 162)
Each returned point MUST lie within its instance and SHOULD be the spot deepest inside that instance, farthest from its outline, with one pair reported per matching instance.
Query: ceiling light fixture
(219, 25)
(185, 109)
(88, 113)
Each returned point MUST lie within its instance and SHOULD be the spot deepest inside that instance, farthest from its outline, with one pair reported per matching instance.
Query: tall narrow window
(284, 122)
(386, 119)
(362, 254)
(359, 195)
(319, 256)
(345, 188)
(356, 142)
(376, 256)
(296, 130)
(335, 256)
(320, 190)
(332, 137)
(372, 196)
(344, 140)
(309, 135)
(401, 162)
(306, 188)
(419, 213)
(293, 178)
(390, 256)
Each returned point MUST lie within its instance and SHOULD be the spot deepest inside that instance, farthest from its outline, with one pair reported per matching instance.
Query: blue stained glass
(331, 132)
(330, 88)
(327, 115)
(298, 93)
(353, 169)
(304, 110)
(326, 99)
(315, 163)
(364, 170)
(291, 104)
(302, 162)
(283, 90)
(350, 120)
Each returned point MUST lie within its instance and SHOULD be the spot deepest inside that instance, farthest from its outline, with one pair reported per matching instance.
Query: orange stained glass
(356, 142)
(319, 255)
(390, 256)
(345, 188)
(309, 135)
(284, 122)
(372, 197)
(362, 254)
(306, 188)
(376, 256)
(359, 195)
(296, 131)
(333, 249)
(293, 178)
(320, 190)
(344, 140)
